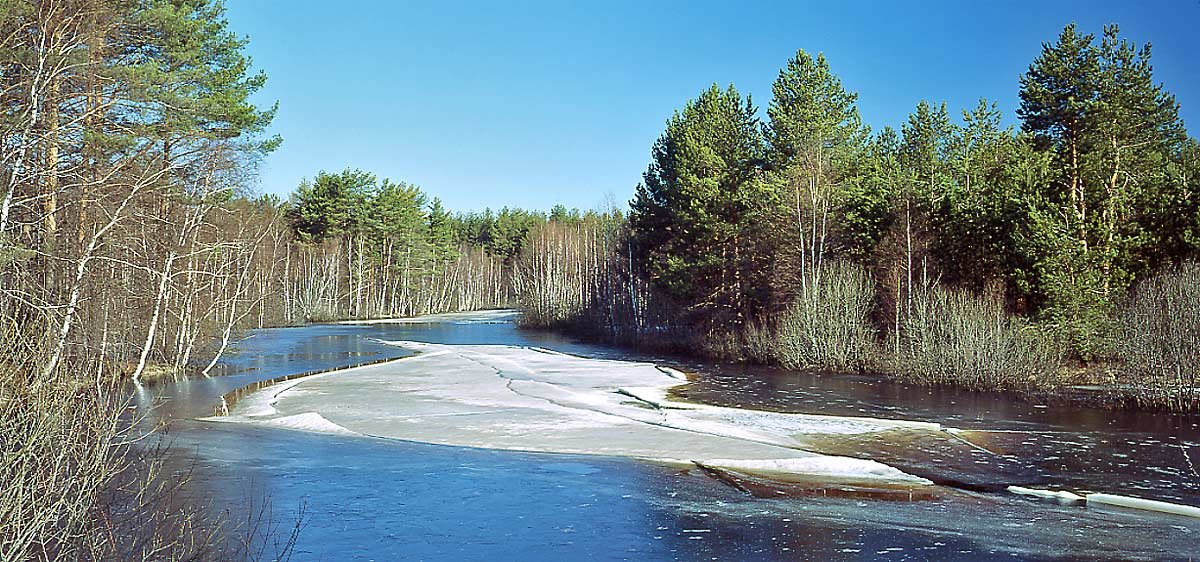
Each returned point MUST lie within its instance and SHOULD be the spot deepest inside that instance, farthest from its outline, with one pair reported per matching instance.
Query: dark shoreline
(1097, 396)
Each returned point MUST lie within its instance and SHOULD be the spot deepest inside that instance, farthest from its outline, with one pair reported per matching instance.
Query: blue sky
(531, 104)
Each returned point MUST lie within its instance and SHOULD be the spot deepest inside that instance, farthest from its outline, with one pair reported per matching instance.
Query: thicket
(826, 326)
(1159, 339)
(958, 337)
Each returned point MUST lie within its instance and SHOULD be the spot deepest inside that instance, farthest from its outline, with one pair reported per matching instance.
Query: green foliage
(441, 232)
(501, 234)
(976, 246)
(925, 153)
(815, 137)
(1116, 139)
(194, 70)
(694, 216)
(331, 204)
(396, 212)
(506, 235)
(867, 209)
(1098, 189)
(811, 116)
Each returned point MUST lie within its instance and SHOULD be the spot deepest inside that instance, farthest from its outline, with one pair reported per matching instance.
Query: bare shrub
(1160, 339)
(965, 339)
(826, 326)
(75, 488)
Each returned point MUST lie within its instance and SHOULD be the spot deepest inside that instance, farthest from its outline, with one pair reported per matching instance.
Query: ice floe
(517, 398)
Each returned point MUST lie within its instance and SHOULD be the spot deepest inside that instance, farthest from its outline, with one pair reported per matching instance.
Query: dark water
(366, 499)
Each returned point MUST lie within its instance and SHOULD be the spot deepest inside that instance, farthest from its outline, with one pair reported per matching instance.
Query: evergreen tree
(331, 204)
(866, 212)
(925, 151)
(813, 120)
(396, 213)
(1114, 134)
(441, 233)
(976, 247)
(696, 216)
(814, 134)
(194, 70)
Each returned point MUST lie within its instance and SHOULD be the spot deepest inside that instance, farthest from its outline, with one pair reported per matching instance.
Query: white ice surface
(517, 398)
(816, 466)
(308, 421)
(1129, 502)
(1061, 495)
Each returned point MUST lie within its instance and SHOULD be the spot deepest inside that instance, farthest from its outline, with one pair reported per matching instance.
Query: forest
(953, 251)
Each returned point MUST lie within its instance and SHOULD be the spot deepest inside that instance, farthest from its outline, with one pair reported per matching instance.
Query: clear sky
(529, 104)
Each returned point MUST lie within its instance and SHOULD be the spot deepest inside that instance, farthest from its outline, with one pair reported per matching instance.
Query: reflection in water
(379, 500)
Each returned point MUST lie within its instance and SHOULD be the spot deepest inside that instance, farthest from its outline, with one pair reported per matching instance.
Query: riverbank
(1064, 384)
(1056, 382)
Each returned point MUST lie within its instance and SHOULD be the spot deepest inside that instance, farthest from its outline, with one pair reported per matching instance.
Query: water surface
(368, 499)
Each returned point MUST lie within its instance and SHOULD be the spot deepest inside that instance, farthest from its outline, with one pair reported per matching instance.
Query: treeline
(370, 249)
(952, 251)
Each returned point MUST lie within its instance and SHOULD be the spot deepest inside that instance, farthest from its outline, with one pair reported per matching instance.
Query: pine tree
(1114, 134)
(813, 120)
(441, 233)
(814, 134)
(197, 76)
(695, 216)
(331, 204)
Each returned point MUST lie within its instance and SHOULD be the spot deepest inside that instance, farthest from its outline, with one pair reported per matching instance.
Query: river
(372, 499)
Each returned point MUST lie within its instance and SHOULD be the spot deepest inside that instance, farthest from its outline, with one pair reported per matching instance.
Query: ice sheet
(525, 399)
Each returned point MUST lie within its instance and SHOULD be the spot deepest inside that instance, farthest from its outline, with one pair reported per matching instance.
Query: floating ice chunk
(1061, 495)
(821, 465)
(1143, 504)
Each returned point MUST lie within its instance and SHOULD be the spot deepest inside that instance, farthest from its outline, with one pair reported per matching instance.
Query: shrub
(1159, 347)
(74, 490)
(961, 338)
(826, 327)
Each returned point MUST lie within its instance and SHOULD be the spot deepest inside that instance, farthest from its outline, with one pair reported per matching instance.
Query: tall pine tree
(695, 217)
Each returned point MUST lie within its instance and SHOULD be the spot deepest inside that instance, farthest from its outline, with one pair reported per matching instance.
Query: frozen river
(435, 490)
